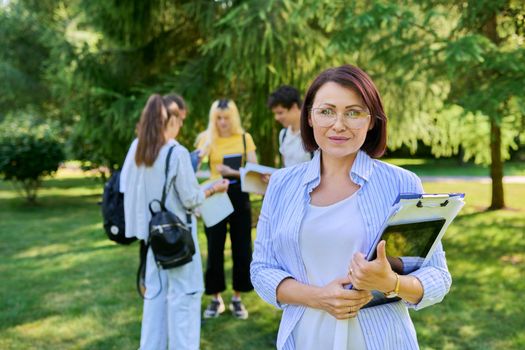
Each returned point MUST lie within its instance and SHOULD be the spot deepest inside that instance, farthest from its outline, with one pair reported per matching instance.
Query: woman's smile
(338, 140)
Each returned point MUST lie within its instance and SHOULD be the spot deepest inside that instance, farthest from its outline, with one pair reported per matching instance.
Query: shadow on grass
(68, 183)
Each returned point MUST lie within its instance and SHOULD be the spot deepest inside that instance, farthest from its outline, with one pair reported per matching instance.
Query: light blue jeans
(172, 307)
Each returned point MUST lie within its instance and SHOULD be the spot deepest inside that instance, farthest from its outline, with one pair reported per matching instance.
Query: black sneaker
(214, 309)
(238, 310)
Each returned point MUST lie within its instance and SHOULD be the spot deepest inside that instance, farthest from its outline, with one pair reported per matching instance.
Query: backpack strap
(166, 172)
(164, 191)
(244, 147)
(284, 135)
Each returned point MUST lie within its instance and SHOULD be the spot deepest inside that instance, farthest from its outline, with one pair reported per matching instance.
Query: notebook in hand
(232, 160)
(412, 240)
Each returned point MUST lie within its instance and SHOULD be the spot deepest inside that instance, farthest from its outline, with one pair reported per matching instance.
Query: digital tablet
(232, 160)
(413, 239)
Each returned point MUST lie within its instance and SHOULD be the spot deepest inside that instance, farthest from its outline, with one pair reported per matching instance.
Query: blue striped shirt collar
(360, 172)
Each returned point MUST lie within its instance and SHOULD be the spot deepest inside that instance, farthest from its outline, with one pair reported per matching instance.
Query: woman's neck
(336, 166)
(168, 136)
(225, 133)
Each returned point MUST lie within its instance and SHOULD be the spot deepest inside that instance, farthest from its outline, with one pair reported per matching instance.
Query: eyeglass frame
(345, 120)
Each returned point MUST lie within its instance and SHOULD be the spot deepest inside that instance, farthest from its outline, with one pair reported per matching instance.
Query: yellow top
(225, 146)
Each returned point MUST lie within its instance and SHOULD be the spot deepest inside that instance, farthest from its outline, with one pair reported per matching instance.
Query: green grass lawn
(450, 167)
(64, 286)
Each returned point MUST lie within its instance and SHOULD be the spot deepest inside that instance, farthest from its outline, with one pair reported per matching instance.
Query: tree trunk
(496, 167)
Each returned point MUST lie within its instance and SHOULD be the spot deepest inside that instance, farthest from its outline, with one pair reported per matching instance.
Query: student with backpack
(171, 315)
(225, 141)
(285, 104)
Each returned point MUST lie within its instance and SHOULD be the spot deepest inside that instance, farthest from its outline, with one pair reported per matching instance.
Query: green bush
(28, 152)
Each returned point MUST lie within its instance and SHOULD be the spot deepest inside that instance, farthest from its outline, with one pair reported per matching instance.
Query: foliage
(443, 80)
(28, 152)
(455, 72)
(446, 79)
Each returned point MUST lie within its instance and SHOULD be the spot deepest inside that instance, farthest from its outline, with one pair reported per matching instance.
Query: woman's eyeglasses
(353, 118)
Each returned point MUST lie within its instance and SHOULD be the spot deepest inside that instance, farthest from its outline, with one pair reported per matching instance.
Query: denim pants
(172, 307)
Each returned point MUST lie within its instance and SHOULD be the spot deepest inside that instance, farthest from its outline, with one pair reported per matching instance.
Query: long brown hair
(151, 129)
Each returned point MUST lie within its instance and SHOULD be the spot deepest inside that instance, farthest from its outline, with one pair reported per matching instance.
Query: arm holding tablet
(407, 255)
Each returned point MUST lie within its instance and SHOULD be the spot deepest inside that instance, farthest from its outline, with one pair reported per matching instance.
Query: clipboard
(425, 214)
(412, 207)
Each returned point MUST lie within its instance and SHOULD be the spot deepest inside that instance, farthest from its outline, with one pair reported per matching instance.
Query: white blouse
(328, 239)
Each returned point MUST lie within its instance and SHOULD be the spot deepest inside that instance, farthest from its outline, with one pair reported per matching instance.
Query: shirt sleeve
(434, 275)
(186, 184)
(128, 162)
(266, 272)
(435, 278)
(250, 145)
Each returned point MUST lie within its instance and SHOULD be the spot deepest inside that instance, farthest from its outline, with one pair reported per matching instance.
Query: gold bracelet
(394, 293)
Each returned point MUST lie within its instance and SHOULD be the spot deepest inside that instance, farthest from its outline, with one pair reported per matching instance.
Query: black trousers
(240, 223)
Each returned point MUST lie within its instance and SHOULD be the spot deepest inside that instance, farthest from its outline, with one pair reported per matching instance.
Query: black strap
(166, 172)
(244, 147)
(141, 271)
(165, 192)
(284, 135)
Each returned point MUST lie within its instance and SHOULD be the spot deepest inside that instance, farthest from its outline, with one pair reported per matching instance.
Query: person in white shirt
(285, 104)
(172, 300)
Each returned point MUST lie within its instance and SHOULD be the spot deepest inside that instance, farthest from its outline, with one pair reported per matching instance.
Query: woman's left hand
(372, 275)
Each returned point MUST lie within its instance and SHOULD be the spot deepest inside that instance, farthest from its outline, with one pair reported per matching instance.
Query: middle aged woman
(318, 219)
(171, 316)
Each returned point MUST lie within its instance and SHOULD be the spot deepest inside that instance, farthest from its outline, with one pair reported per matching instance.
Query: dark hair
(356, 79)
(175, 98)
(285, 96)
(151, 131)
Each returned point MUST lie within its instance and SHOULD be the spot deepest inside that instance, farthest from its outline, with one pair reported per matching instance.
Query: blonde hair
(211, 134)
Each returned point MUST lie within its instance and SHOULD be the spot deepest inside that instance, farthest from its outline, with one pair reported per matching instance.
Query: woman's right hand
(340, 302)
(221, 185)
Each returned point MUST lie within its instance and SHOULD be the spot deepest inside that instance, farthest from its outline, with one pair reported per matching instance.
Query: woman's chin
(339, 152)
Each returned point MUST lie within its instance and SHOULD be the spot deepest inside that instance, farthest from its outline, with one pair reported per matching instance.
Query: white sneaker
(214, 309)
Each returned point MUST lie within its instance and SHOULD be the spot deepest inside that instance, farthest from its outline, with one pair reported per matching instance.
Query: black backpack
(113, 211)
(170, 239)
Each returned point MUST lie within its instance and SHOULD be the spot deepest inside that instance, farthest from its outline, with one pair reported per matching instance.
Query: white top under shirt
(328, 239)
(291, 148)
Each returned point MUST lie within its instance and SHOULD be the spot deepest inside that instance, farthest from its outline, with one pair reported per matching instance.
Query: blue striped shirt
(277, 253)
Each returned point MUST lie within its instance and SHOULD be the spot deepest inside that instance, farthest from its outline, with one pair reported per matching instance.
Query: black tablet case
(412, 239)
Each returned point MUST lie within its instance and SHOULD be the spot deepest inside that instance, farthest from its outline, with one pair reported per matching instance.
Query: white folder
(251, 177)
(215, 208)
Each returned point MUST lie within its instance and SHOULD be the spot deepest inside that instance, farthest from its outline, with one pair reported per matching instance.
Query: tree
(28, 152)
(467, 61)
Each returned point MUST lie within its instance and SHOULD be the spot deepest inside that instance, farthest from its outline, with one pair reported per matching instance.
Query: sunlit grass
(450, 167)
(65, 286)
